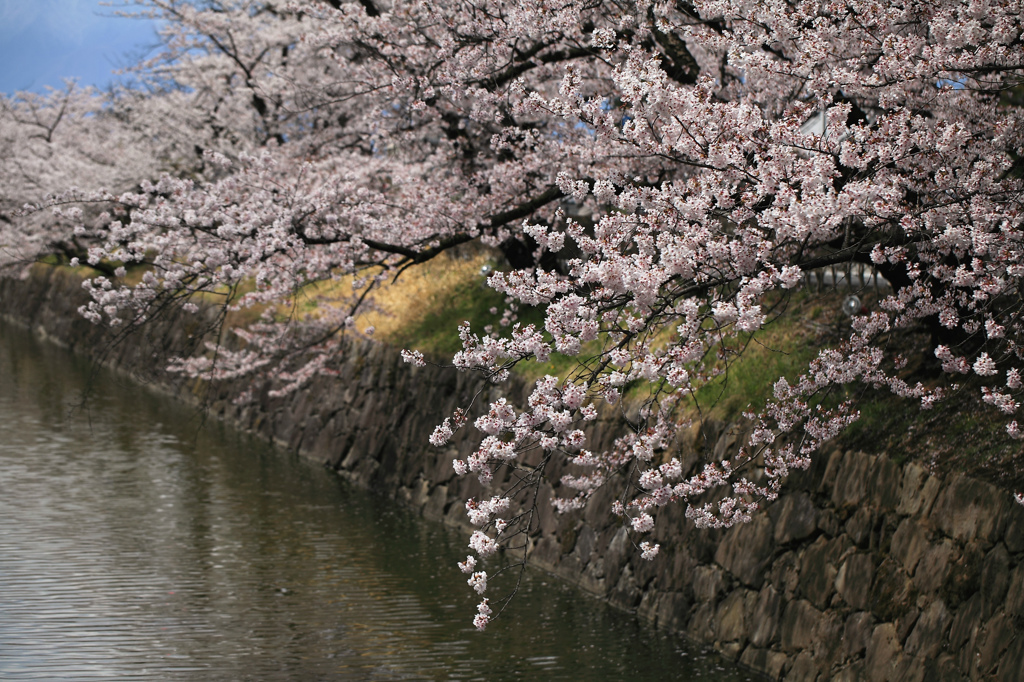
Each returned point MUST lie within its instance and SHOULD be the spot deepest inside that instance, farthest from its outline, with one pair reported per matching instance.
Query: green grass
(434, 329)
(423, 309)
(958, 435)
(782, 349)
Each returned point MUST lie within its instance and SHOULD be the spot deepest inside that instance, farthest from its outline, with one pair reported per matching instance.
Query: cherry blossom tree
(720, 150)
(66, 141)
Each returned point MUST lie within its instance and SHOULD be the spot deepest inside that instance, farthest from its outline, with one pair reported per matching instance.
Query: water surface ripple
(136, 545)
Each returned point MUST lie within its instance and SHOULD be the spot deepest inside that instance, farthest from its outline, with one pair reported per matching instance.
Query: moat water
(137, 542)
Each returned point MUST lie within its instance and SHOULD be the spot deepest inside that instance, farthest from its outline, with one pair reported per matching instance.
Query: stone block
(566, 538)
(885, 484)
(439, 467)
(942, 669)
(909, 543)
(765, 620)
(434, 507)
(828, 480)
(701, 626)
(967, 509)
(729, 650)
(733, 436)
(828, 640)
(586, 543)
(708, 583)
(352, 454)
(363, 474)
(596, 512)
(905, 622)
(746, 550)
(828, 522)
(860, 525)
(545, 552)
(626, 594)
(785, 574)
(852, 479)
(804, 669)
(672, 610)
(592, 578)
(908, 669)
(881, 656)
(569, 566)
(617, 551)
(1012, 662)
(857, 633)
(679, 574)
(964, 577)
(323, 448)
(994, 639)
(771, 663)
(795, 518)
(892, 593)
(918, 490)
(647, 610)
(930, 630)
(853, 582)
(933, 567)
(420, 493)
(731, 617)
(547, 516)
(799, 621)
(1014, 536)
(964, 627)
(1015, 594)
(818, 571)
(995, 577)
(851, 673)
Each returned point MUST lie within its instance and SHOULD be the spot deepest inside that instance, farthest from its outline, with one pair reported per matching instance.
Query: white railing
(846, 278)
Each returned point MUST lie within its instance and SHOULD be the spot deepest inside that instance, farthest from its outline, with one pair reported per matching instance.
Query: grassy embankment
(423, 309)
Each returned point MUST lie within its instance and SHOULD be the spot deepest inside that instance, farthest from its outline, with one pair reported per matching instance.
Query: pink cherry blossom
(656, 177)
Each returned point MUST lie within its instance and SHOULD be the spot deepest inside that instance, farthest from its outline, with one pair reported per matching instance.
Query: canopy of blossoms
(722, 149)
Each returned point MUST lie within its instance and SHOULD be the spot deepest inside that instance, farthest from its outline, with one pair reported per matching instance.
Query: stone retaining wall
(864, 569)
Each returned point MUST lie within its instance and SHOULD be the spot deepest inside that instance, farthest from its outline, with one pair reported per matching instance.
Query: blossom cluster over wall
(719, 150)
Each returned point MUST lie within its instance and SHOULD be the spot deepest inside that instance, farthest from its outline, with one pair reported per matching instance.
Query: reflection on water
(134, 544)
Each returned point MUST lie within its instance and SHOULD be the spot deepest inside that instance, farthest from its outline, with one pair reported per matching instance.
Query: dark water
(134, 544)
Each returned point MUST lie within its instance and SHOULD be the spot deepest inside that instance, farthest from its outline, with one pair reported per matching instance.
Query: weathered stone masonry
(864, 569)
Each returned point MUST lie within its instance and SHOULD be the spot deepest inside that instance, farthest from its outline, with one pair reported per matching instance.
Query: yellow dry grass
(428, 289)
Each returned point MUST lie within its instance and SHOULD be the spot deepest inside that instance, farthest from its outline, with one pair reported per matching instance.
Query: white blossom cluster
(659, 176)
